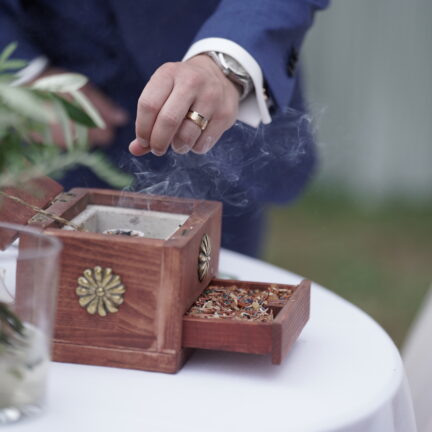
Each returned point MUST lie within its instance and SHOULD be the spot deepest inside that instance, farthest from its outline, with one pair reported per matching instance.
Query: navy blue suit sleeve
(12, 30)
(269, 30)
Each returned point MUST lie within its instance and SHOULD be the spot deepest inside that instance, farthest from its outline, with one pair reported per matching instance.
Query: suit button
(292, 62)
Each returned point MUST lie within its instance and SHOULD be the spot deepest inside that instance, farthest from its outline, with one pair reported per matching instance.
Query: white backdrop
(368, 66)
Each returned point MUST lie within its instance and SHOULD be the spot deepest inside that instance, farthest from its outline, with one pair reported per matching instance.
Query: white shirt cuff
(253, 109)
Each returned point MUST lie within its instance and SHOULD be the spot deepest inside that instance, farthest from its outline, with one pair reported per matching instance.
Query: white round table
(343, 374)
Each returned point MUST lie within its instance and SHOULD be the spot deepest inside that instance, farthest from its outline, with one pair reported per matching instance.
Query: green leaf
(76, 113)
(8, 119)
(13, 64)
(81, 134)
(9, 320)
(27, 114)
(88, 108)
(6, 53)
(65, 123)
(62, 83)
(6, 77)
(24, 102)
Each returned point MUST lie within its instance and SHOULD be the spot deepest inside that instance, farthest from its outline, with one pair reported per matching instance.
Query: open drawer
(275, 335)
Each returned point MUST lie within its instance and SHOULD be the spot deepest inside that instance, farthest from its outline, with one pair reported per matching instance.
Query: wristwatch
(234, 71)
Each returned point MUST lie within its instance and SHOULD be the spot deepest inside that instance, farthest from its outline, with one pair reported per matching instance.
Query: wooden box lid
(38, 192)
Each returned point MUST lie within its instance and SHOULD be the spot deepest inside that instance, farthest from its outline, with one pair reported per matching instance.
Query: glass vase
(28, 285)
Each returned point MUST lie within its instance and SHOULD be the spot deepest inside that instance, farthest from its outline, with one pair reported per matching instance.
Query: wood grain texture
(38, 192)
(252, 337)
(227, 335)
(290, 321)
(160, 276)
(169, 362)
(150, 331)
(137, 264)
(66, 204)
(181, 260)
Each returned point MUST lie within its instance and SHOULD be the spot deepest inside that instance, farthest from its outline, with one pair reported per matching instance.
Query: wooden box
(122, 299)
(275, 337)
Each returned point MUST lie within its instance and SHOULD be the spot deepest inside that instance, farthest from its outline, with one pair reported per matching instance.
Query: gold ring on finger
(198, 119)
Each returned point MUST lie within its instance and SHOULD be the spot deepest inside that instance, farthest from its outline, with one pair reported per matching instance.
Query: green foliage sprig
(27, 148)
(27, 114)
(9, 324)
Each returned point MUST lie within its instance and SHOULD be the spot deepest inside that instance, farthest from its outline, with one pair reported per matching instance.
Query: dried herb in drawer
(238, 303)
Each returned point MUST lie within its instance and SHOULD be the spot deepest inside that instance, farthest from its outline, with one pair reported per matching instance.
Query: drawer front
(255, 337)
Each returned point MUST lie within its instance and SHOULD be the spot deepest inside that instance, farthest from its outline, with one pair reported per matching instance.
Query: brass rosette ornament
(204, 257)
(100, 291)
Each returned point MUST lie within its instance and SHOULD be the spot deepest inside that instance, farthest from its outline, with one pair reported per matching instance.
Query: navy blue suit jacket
(118, 44)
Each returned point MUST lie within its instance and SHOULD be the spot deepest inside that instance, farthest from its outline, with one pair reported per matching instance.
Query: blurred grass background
(364, 228)
(377, 257)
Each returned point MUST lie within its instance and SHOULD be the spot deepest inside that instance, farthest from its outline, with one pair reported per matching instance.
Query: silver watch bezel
(243, 80)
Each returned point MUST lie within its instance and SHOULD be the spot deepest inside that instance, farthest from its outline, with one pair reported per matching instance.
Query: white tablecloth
(344, 374)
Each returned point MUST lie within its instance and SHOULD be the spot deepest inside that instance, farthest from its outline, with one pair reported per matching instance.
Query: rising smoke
(267, 164)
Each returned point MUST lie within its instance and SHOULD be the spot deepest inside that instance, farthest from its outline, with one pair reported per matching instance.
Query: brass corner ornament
(204, 257)
(100, 291)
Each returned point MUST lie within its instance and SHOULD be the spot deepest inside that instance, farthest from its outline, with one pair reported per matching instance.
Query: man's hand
(175, 88)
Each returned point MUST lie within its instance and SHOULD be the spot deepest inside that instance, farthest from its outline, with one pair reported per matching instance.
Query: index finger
(152, 98)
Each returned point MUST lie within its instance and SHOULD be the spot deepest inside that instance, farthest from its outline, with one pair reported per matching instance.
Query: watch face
(234, 65)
